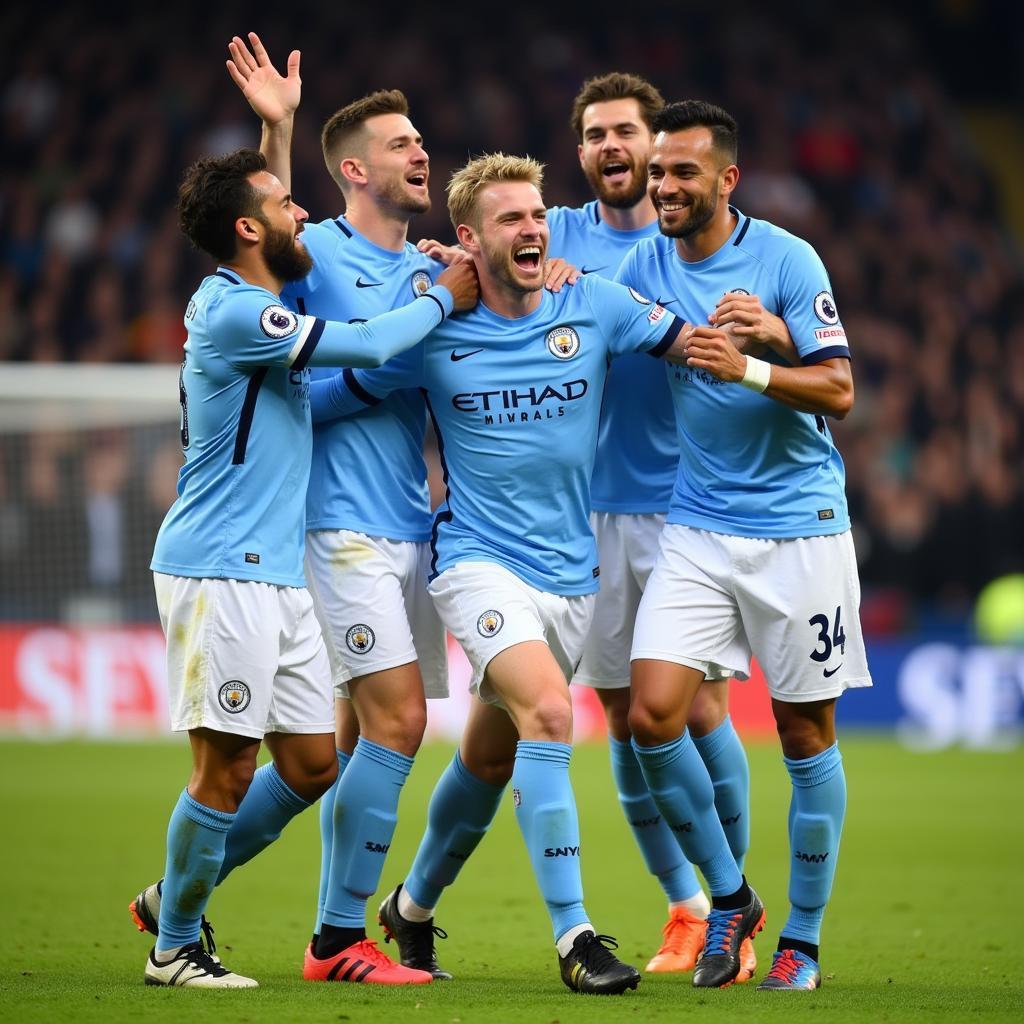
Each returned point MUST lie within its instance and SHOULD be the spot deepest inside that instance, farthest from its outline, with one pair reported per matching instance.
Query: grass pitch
(923, 924)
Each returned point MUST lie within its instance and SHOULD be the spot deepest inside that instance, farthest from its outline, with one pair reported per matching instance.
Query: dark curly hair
(214, 193)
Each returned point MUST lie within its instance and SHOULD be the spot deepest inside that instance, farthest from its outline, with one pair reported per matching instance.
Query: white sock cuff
(411, 910)
(566, 939)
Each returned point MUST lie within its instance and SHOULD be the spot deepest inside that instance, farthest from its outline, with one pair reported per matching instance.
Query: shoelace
(198, 957)
(679, 933)
(786, 967)
(595, 953)
(721, 928)
(207, 929)
(423, 937)
(367, 949)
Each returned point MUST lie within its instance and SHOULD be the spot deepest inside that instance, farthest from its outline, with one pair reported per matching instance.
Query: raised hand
(273, 98)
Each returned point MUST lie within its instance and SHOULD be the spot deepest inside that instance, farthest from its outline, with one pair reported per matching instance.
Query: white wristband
(758, 374)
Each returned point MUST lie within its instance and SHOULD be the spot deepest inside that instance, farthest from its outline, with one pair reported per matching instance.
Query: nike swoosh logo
(664, 302)
(360, 283)
(590, 270)
(456, 356)
(826, 672)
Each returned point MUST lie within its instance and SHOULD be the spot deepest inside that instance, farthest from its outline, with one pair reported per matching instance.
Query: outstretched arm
(272, 97)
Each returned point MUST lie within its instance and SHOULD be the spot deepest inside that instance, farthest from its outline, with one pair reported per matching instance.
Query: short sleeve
(633, 322)
(252, 327)
(807, 306)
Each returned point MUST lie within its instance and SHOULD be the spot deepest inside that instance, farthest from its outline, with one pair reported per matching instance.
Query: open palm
(273, 97)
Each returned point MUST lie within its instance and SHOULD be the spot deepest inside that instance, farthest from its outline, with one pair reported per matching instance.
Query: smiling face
(396, 165)
(283, 219)
(614, 152)
(688, 181)
(509, 239)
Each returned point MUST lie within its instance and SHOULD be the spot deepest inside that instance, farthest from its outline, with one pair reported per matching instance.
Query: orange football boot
(361, 962)
(682, 943)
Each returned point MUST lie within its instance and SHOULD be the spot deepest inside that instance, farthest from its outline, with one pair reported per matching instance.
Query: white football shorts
(243, 657)
(489, 609)
(371, 598)
(714, 599)
(627, 546)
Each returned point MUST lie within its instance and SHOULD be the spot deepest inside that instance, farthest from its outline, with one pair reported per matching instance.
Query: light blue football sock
(681, 787)
(726, 761)
(461, 810)
(195, 848)
(661, 852)
(269, 804)
(327, 836)
(816, 815)
(546, 812)
(365, 815)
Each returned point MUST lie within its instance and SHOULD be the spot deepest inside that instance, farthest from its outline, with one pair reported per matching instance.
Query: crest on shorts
(278, 322)
(420, 282)
(737, 291)
(234, 696)
(563, 342)
(360, 639)
(490, 623)
(825, 308)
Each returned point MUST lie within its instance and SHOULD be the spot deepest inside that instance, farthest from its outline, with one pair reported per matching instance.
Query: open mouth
(673, 207)
(615, 171)
(527, 257)
(419, 179)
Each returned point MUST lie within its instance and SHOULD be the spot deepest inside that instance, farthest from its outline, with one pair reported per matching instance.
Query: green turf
(922, 926)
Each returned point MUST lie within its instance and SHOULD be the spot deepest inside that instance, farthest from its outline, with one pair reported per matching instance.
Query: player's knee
(495, 771)
(616, 713)
(551, 720)
(705, 718)
(651, 725)
(801, 737)
(318, 777)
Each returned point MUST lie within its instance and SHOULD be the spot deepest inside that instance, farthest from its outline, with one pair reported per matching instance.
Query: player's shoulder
(767, 241)
(231, 304)
(573, 218)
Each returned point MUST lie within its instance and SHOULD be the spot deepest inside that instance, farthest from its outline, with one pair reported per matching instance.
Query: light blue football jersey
(637, 454)
(368, 472)
(516, 405)
(750, 466)
(245, 424)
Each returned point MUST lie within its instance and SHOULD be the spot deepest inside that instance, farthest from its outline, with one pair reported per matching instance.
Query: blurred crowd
(847, 137)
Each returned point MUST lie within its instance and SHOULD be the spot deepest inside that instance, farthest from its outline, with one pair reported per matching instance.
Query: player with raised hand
(368, 511)
(516, 386)
(245, 656)
(756, 557)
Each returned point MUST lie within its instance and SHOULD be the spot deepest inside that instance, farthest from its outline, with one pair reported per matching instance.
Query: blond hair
(343, 134)
(466, 183)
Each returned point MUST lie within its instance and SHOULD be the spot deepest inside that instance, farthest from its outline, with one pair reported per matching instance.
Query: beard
(702, 209)
(503, 269)
(614, 198)
(286, 257)
(392, 193)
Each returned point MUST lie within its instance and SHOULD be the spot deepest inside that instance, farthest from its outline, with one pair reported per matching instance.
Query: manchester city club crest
(360, 639)
(563, 342)
(234, 696)
(420, 282)
(278, 322)
(490, 623)
(825, 308)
